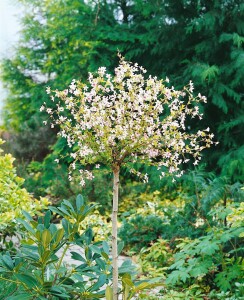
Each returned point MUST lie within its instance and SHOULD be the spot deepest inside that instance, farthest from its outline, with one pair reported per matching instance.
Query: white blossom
(128, 118)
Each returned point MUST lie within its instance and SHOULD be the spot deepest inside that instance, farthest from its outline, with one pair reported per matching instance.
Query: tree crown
(127, 117)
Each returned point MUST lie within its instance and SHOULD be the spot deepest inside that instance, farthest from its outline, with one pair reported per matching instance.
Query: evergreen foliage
(14, 198)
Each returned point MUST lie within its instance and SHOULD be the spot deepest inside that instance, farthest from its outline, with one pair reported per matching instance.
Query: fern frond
(210, 73)
(234, 37)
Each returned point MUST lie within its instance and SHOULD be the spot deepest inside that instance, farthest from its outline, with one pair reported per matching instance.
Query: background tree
(202, 41)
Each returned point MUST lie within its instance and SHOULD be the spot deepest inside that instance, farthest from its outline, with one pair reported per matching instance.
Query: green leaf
(59, 292)
(176, 276)
(59, 235)
(210, 73)
(200, 269)
(120, 247)
(105, 247)
(7, 262)
(47, 219)
(126, 267)
(79, 202)
(142, 286)
(128, 281)
(45, 256)
(68, 205)
(27, 215)
(101, 263)
(27, 226)
(24, 296)
(109, 293)
(89, 236)
(88, 253)
(46, 238)
(77, 256)
(28, 280)
(30, 253)
(105, 255)
(95, 249)
(177, 264)
(55, 210)
(101, 281)
(208, 247)
(64, 212)
(67, 226)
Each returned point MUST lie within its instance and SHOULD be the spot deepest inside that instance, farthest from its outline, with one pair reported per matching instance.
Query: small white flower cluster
(128, 118)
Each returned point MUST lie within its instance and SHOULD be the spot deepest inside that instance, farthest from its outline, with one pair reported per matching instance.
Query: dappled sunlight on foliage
(14, 198)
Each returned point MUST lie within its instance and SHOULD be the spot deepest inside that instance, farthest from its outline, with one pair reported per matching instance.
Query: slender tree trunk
(114, 231)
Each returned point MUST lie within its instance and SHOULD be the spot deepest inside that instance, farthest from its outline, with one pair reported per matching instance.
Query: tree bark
(114, 231)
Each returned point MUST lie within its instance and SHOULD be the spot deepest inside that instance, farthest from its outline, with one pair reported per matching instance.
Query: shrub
(14, 198)
(140, 231)
(214, 260)
(155, 260)
(39, 272)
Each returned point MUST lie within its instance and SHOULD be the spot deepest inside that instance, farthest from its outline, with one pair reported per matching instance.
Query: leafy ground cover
(209, 266)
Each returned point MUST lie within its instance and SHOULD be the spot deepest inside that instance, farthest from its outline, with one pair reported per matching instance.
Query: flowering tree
(116, 120)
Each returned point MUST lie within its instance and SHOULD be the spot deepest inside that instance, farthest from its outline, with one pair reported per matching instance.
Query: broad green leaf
(105, 247)
(200, 269)
(77, 256)
(46, 238)
(95, 249)
(142, 286)
(67, 226)
(65, 212)
(7, 262)
(126, 267)
(47, 219)
(101, 263)
(209, 248)
(177, 264)
(101, 281)
(120, 247)
(26, 225)
(109, 293)
(88, 253)
(68, 205)
(128, 281)
(45, 256)
(28, 280)
(53, 229)
(105, 255)
(24, 296)
(57, 211)
(89, 236)
(59, 292)
(30, 254)
(79, 202)
(78, 277)
(176, 276)
(59, 235)
(27, 215)
(40, 227)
